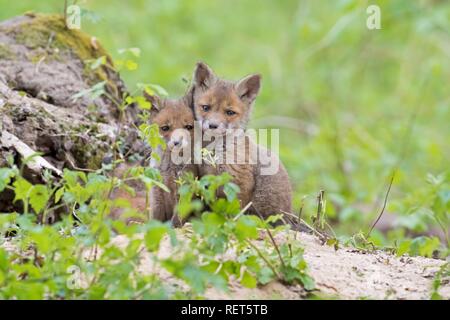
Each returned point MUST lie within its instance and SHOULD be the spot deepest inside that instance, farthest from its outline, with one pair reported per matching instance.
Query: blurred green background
(351, 103)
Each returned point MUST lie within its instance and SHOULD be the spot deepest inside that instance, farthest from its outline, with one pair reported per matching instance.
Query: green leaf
(58, 194)
(131, 65)
(246, 227)
(5, 177)
(231, 190)
(143, 103)
(213, 220)
(265, 275)
(153, 89)
(154, 234)
(151, 177)
(403, 248)
(333, 242)
(3, 260)
(21, 189)
(307, 281)
(150, 133)
(226, 208)
(424, 246)
(274, 218)
(38, 197)
(248, 280)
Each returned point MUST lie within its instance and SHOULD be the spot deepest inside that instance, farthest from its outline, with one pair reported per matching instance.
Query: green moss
(6, 53)
(49, 31)
(88, 155)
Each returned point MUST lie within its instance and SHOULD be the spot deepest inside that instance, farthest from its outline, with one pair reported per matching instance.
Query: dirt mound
(43, 69)
(40, 56)
(345, 274)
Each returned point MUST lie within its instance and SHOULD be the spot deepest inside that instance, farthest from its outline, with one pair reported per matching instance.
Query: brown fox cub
(222, 105)
(175, 120)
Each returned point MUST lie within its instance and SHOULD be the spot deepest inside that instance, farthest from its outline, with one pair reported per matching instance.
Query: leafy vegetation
(76, 259)
(355, 107)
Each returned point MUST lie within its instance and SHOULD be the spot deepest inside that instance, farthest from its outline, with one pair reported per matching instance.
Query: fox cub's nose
(213, 126)
(176, 143)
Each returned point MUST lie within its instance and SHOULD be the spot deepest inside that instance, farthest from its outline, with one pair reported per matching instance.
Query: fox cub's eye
(165, 128)
(230, 113)
(189, 127)
(206, 108)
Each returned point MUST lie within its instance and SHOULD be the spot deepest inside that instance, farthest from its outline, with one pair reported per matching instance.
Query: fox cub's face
(219, 104)
(175, 120)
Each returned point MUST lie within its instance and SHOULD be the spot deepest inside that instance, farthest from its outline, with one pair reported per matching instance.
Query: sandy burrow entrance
(343, 274)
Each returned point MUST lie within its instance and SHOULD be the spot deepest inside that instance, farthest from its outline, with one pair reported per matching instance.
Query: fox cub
(221, 105)
(175, 120)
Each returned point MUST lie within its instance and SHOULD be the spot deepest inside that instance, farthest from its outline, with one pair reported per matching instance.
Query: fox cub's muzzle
(179, 139)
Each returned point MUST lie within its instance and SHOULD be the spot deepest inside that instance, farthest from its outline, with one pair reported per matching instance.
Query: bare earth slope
(345, 274)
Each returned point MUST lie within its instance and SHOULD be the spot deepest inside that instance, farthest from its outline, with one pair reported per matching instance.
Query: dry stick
(35, 163)
(314, 230)
(74, 167)
(384, 204)
(243, 211)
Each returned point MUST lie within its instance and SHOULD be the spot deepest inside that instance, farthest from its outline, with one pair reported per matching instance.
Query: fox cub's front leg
(159, 210)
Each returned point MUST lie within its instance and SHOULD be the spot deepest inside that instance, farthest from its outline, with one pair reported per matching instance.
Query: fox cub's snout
(219, 104)
(175, 120)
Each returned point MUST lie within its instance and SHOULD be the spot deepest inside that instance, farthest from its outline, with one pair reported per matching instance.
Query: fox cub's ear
(154, 100)
(203, 76)
(248, 88)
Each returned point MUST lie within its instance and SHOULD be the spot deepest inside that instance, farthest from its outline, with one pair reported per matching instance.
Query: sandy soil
(346, 274)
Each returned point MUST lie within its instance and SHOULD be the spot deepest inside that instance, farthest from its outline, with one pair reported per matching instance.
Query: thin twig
(74, 167)
(384, 204)
(321, 235)
(243, 211)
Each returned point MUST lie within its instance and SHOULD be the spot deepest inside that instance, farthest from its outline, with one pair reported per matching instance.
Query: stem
(65, 14)
(318, 221)
(271, 238)
(264, 258)
(384, 204)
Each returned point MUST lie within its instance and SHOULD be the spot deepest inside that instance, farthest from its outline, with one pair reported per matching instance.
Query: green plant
(78, 258)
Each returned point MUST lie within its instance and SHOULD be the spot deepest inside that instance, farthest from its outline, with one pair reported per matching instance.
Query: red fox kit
(222, 105)
(175, 120)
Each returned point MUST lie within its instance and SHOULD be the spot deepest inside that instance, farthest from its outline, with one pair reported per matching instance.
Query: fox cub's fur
(220, 105)
(175, 120)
